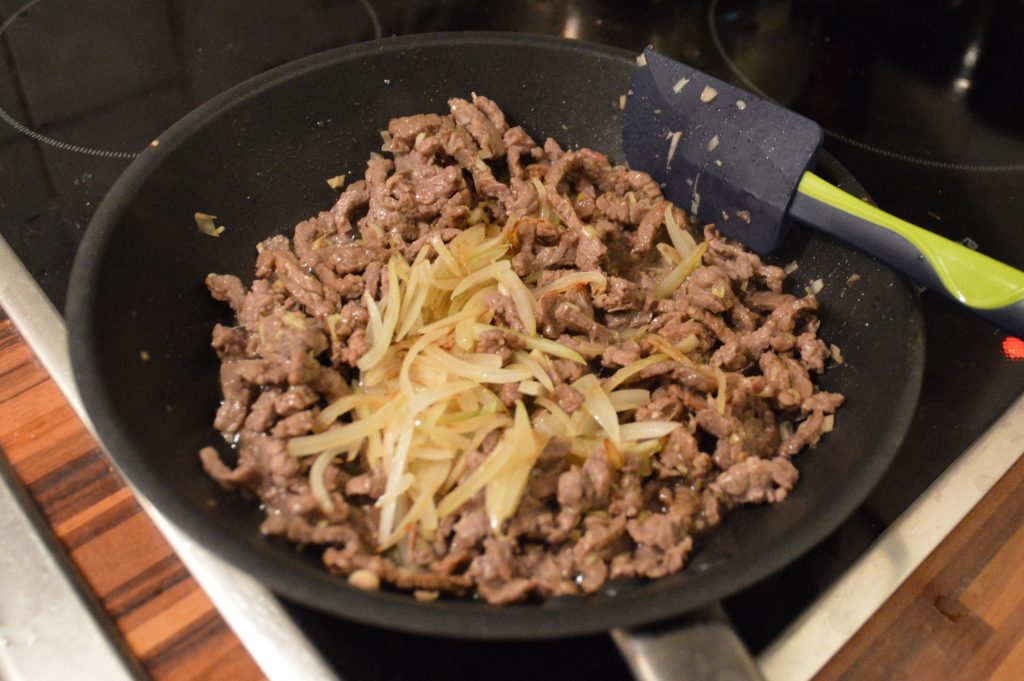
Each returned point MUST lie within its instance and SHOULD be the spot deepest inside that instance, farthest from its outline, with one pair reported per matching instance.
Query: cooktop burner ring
(748, 83)
(38, 136)
(108, 153)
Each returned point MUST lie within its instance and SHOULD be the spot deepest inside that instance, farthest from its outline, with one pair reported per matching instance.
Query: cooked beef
(738, 356)
(754, 481)
(568, 398)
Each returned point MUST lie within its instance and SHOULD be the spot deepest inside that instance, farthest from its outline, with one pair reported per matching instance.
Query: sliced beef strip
(483, 121)
(504, 310)
(568, 398)
(227, 288)
(756, 481)
(621, 355)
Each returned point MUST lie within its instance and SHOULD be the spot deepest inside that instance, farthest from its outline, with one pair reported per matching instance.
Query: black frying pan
(258, 156)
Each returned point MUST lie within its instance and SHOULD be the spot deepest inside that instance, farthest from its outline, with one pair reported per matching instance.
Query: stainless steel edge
(797, 655)
(825, 627)
(277, 645)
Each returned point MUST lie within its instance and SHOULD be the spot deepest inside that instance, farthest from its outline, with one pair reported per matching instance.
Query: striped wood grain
(165, 618)
(960, 615)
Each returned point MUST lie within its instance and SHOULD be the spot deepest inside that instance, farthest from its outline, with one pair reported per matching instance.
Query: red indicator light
(1013, 348)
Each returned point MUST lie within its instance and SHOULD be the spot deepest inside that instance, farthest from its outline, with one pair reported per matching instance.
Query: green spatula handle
(991, 289)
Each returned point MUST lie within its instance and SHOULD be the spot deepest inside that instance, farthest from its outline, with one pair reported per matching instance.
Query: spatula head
(720, 152)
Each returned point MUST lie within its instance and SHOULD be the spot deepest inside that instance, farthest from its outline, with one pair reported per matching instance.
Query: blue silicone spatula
(744, 164)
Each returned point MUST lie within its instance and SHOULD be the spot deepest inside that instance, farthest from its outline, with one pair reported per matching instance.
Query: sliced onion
(586, 447)
(521, 299)
(484, 473)
(537, 343)
(382, 341)
(836, 353)
(444, 437)
(672, 351)
(412, 306)
(595, 401)
(447, 322)
(531, 388)
(405, 483)
(675, 278)
(204, 221)
(645, 430)
(543, 422)
(583, 423)
(475, 372)
(317, 486)
(688, 344)
(643, 449)
(684, 243)
(669, 254)
(546, 212)
(588, 348)
(445, 257)
(572, 280)
(447, 391)
(535, 368)
(471, 424)
(484, 359)
(567, 428)
(631, 334)
(486, 255)
(340, 437)
(625, 400)
(398, 480)
(481, 276)
(374, 449)
(428, 453)
(614, 455)
(505, 490)
(340, 406)
(429, 478)
(630, 370)
(464, 336)
(467, 401)
(407, 362)
(472, 445)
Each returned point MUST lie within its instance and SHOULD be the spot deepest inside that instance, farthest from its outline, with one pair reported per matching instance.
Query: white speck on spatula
(695, 200)
(740, 104)
(708, 94)
(673, 138)
(680, 84)
(641, 59)
(713, 144)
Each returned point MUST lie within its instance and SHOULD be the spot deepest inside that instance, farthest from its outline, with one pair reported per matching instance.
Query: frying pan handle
(702, 646)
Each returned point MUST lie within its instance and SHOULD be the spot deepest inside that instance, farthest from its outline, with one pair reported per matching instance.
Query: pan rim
(461, 619)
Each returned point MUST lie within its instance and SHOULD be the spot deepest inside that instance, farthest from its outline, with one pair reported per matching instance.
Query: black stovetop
(922, 101)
